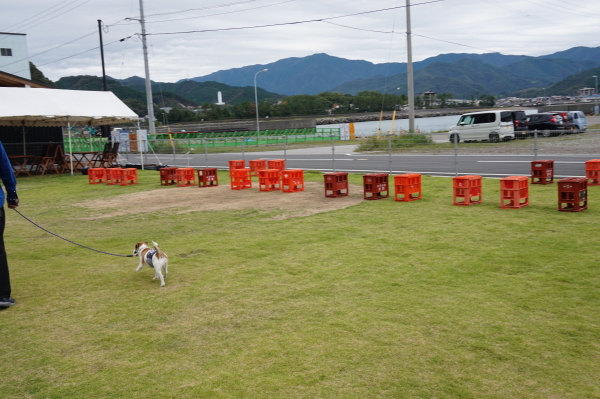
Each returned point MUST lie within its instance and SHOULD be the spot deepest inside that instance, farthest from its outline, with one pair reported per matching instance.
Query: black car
(548, 124)
(520, 123)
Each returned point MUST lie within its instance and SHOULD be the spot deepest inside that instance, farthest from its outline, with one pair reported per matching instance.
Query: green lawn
(383, 299)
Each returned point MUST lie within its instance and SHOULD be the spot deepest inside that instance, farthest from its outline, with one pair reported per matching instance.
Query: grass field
(381, 299)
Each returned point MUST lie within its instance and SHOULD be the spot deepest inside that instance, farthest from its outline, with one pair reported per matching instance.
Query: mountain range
(321, 72)
(464, 75)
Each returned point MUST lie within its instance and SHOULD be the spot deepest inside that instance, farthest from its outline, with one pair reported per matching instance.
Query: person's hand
(12, 203)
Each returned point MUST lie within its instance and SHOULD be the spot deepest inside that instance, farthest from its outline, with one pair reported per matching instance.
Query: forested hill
(173, 95)
(316, 73)
(204, 92)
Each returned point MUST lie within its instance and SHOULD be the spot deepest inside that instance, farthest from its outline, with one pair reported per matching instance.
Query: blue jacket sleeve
(7, 175)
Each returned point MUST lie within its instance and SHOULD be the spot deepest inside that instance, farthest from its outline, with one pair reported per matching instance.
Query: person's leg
(4, 276)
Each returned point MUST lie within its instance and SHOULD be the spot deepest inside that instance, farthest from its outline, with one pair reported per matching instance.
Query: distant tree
(38, 77)
(444, 97)
(487, 100)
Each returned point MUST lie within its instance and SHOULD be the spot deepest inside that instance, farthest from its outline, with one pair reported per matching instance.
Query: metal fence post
(173, 144)
(333, 151)
(285, 149)
(390, 151)
(206, 151)
(243, 152)
(535, 143)
(455, 154)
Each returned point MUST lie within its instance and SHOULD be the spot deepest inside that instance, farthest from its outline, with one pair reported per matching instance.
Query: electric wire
(291, 23)
(387, 71)
(55, 16)
(221, 13)
(33, 16)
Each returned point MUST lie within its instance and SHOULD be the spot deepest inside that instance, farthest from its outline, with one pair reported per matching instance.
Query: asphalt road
(344, 160)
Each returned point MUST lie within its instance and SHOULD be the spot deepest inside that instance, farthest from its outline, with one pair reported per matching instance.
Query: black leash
(62, 238)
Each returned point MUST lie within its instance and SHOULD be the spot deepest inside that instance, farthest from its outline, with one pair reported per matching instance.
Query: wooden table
(82, 159)
(19, 164)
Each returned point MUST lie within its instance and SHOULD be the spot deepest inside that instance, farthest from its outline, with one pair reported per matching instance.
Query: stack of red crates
(376, 186)
(292, 180)
(467, 190)
(336, 184)
(514, 192)
(407, 187)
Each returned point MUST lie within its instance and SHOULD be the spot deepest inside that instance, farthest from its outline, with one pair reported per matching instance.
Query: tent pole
(70, 144)
(24, 145)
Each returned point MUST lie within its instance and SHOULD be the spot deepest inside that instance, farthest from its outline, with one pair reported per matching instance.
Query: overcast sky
(59, 32)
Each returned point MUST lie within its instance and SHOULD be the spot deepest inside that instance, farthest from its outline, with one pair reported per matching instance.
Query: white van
(485, 125)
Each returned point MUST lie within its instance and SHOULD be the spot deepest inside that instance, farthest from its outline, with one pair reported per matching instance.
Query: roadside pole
(206, 151)
(333, 152)
(390, 151)
(455, 154)
(535, 143)
(243, 152)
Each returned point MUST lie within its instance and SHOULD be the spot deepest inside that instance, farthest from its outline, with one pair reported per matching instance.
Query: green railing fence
(165, 142)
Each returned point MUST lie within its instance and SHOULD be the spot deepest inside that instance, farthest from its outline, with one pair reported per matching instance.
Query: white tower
(220, 99)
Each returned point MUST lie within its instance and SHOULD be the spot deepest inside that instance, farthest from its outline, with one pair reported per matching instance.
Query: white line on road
(529, 161)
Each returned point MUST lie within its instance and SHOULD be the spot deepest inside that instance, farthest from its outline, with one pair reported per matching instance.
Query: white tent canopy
(52, 107)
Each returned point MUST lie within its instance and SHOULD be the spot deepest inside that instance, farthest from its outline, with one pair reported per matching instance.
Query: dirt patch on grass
(223, 198)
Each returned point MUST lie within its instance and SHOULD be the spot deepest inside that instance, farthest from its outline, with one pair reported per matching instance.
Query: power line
(291, 23)
(352, 27)
(221, 13)
(53, 48)
(35, 15)
(203, 8)
(58, 15)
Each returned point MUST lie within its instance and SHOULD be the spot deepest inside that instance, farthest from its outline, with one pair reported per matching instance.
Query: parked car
(567, 120)
(521, 125)
(550, 124)
(579, 120)
(486, 125)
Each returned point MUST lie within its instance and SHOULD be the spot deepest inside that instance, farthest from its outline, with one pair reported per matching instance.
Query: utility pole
(102, 55)
(409, 73)
(104, 129)
(151, 126)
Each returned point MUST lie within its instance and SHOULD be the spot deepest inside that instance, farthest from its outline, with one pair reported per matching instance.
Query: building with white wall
(14, 58)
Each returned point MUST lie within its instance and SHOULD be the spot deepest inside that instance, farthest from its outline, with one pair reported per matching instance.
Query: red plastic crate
(168, 176)
(336, 184)
(96, 175)
(542, 171)
(514, 192)
(240, 179)
(237, 164)
(407, 187)
(269, 180)
(256, 165)
(292, 180)
(467, 190)
(572, 194)
(186, 177)
(376, 186)
(129, 176)
(276, 164)
(112, 176)
(592, 172)
(208, 177)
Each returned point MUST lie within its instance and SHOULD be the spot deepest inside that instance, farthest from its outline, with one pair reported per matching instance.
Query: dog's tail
(159, 253)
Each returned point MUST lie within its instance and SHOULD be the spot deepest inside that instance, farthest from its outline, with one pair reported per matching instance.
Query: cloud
(532, 27)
